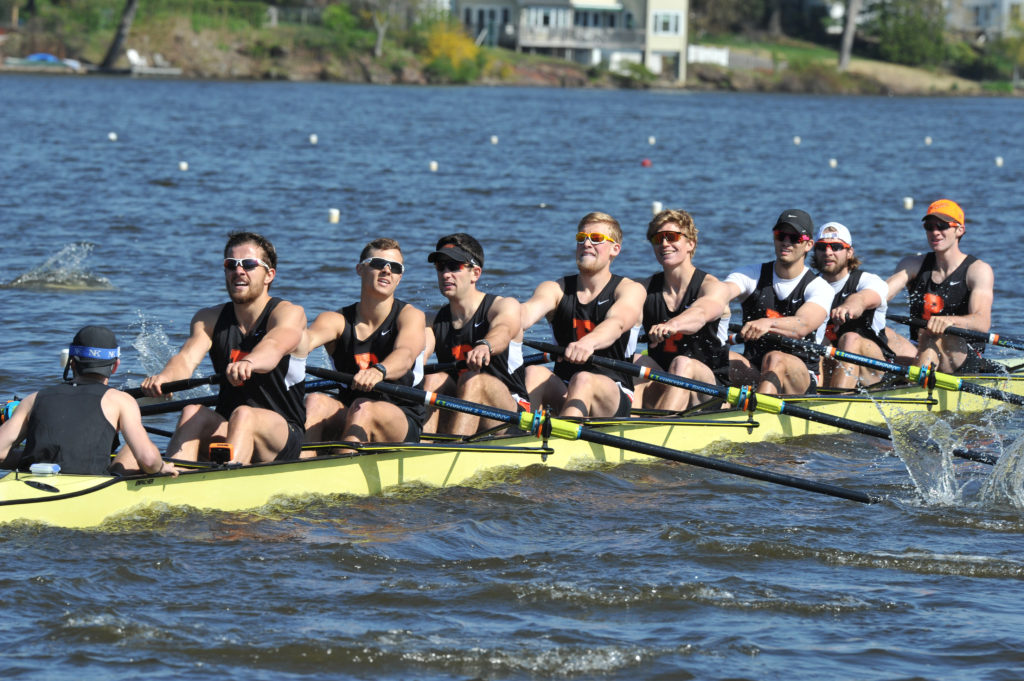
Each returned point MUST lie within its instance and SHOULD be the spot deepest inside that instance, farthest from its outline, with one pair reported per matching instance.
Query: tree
(383, 13)
(852, 12)
(910, 31)
(127, 17)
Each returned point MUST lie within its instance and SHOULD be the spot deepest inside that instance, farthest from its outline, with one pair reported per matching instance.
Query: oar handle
(177, 386)
(437, 367)
(207, 400)
(971, 334)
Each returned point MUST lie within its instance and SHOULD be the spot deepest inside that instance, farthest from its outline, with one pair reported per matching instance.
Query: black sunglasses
(247, 264)
(381, 263)
(823, 246)
(448, 265)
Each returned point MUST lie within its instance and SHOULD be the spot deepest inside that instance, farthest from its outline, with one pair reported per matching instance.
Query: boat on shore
(80, 501)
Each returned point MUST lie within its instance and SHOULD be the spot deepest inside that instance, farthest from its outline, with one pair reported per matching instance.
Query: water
(633, 571)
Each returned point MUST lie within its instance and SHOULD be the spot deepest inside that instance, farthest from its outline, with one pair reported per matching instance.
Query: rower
(857, 318)
(783, 297)
(376, 338)
(251, 341)
(685, 316)
(75, 424)
(945, 287)
(481, 329)
(593, 312)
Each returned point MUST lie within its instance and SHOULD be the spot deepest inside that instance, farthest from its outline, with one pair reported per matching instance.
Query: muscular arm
(15, 429)
(710, 305)
(191, 354)
(905, 272)
(325, 329)
(856, 305)
(542, 303)
(129, 422)
(505, 319)
(623, 314)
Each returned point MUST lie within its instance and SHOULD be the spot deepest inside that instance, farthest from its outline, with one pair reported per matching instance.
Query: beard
(247, 295)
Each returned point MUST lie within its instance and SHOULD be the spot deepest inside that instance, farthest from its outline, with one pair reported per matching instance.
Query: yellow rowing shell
(86, 501)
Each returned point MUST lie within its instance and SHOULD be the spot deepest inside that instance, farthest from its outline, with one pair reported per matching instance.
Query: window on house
(479, 18)
(666, 23)
(504, 17)
(611, 21)
(469, 17)
(629, 20)
(545, 18)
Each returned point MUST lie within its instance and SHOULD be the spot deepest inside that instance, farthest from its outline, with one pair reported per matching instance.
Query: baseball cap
(94, 350)
(798, 220)
(454, 252)
(946, 210)
(834, 231)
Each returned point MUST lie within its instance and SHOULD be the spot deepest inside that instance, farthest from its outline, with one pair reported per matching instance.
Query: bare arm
(542, 303)
(409, 343)
(905, 272)
(856, 305)
(15, 429)
(505, 319)
(712, 304)
(623, 314)
(804, 321)
(129, 422)
(284, 333)
(191, 354)
(325, 329)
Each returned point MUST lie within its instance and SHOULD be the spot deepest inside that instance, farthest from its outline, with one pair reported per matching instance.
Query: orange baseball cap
(946, 210)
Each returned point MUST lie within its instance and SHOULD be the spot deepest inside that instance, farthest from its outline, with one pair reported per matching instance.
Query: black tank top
(861, 325)
(281, 390)
(764, 303)
(951, 296)
(352, 355)
(573, 321)
(705, 345)
(67, 426)
(453, 344)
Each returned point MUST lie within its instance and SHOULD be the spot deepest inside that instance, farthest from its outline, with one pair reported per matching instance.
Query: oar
(990, 338)
(924, 376)
(538, 423)
(177, 386)
(435, 367)
(177, 405)
(745, 398)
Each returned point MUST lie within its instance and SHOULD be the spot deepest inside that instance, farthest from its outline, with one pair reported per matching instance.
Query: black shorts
(625, 402)
(293, 446)
(413, 428)
(978, 364)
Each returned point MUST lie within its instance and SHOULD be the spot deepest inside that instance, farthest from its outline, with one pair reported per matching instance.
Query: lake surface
(633, 571)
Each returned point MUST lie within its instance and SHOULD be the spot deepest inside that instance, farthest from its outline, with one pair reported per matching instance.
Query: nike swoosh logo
(953, 283)
(384, 333)
(477, 324)
(602, 302)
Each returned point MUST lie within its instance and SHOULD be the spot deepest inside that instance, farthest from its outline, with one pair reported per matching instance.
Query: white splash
(65, 270)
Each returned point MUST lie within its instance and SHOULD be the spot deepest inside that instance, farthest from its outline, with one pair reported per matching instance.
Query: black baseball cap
(456, 253)
(94, 350)
(798, 220)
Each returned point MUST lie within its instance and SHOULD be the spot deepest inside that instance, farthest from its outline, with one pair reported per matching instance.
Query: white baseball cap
(834, 231)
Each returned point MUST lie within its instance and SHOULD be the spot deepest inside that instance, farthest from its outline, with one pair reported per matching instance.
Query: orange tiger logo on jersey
(365, 360)
(237, 355)
(933, 304)
(670, 342)
(830, 333)
(772, 314)
(582, 327)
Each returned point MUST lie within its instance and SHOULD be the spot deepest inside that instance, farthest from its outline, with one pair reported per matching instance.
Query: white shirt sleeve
(875, 283)
(746, 278)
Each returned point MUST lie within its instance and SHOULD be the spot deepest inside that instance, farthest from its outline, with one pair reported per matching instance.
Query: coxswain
(376, 338)
(75, 424)
(783, 297)
(685, 316)
(252, 342)
(857, 318)
(482, 331)
(592, 312)
(946, 287)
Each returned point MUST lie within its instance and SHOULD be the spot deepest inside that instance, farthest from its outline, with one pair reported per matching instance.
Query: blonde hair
(592, 218)
(679, 217)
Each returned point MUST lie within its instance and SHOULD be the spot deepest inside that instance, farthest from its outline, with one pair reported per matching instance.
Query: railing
(580, 37)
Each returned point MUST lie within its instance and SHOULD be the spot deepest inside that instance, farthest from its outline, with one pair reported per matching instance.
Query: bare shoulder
(629, 288)
(207, 316)
(503, 305)
(911, 263)
(980, 273)
(329, 320)
(410, 314)
(287, 311)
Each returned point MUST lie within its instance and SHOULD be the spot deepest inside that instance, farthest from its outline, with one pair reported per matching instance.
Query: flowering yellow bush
(449, 41)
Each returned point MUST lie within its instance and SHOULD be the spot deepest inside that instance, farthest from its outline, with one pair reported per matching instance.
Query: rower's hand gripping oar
(435, 367)
(971, 334)
(924, 376)
(539, 423)
(177, 386)
(743, 397)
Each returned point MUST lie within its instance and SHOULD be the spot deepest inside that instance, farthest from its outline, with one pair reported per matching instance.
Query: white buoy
(542, 205)
(656, 207)
(112, 136)
(333, 215)
(494, 139)
(182, 166)
(999, 161)
(797, 140)
(832, 163)
(313, 139)
(651, 140)
(927, 141)
(433, 166)
(908, 203)
(63, 358)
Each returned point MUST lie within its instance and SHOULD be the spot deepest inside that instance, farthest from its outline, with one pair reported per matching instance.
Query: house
(590, 32)
(986, 18)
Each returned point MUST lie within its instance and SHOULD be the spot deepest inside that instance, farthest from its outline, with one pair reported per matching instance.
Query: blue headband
(85, 352)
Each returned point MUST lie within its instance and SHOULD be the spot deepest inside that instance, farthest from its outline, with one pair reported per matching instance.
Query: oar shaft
(972, 334)
(435, 367)
(530, 421)
(177, 386)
